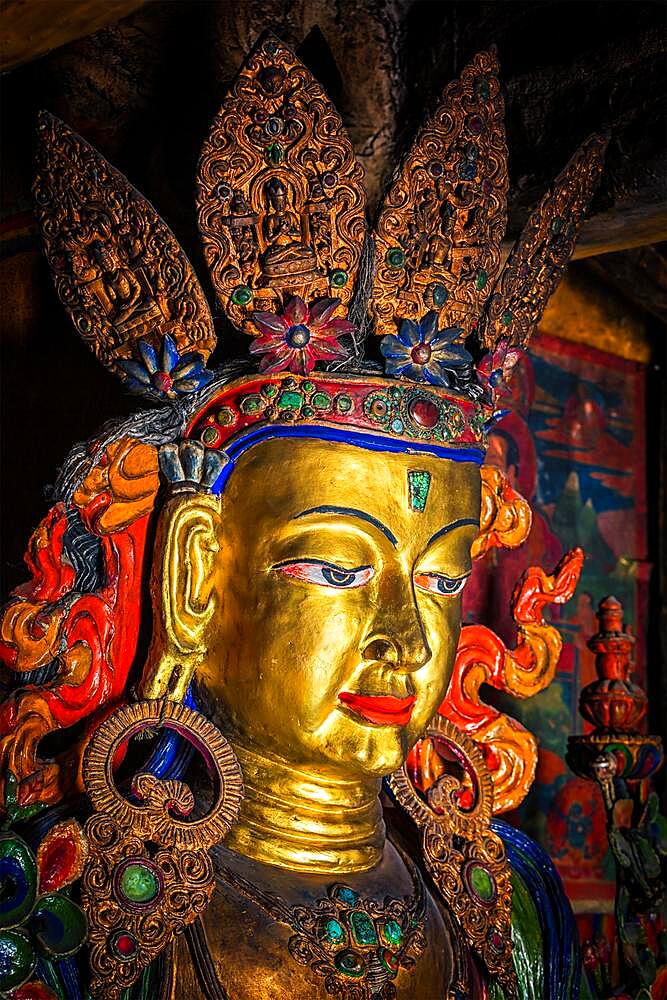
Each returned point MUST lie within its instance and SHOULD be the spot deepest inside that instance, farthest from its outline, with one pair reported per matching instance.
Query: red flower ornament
(300, 336)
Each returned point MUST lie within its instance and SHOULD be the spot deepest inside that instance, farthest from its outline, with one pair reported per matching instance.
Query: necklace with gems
(357, 945)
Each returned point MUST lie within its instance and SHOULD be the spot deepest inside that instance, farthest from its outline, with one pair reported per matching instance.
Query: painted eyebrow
(452, 527)
(351, 512)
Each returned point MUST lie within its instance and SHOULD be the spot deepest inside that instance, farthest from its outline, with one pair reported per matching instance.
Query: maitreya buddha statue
(243, 750)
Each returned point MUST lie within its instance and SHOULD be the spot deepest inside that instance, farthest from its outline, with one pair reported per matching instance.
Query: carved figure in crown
(286, 259)
(304, 527)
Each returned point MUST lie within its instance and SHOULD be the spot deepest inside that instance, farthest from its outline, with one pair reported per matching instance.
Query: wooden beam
(31, 28)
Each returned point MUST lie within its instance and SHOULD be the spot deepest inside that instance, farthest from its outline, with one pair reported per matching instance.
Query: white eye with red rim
(439, 584)
(326, 574)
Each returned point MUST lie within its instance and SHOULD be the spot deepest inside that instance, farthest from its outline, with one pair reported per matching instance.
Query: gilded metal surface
(440, 227)
(127, 932)
(246, 950)
(281, 197)
(118, 269)
(356, 944)
(457, 839)
(537, 262)
(286, 512)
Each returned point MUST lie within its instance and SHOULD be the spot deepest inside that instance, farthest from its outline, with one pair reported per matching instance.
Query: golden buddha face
(337, 593)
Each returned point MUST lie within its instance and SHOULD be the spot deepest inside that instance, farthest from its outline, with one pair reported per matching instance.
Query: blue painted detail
(562, 958)
(173, 754)
(372, 442)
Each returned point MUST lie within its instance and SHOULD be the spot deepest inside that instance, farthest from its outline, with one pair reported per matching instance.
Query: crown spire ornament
(281, 210)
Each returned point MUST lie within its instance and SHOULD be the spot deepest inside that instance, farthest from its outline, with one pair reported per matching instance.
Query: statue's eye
(437, 583)
(327, 574)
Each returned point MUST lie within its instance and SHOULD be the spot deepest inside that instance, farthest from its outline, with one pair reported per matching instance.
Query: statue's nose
(400, 642)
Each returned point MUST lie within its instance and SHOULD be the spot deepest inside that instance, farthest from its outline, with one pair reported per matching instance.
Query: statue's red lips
(383, 710)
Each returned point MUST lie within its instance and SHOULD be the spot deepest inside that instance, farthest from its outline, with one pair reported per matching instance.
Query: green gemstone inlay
(344, 404)
(307, 386)
(506, 318)
(482, 882)
(419, 483)
(307, 411)
(339, 279)
(274, 153)
(395, 257)
(332, 932)
(321, 401)
(346, 895)
(251, 404)
(439, 295)
(225, 416)
(363, 928)
(481, 280)
(393, 932)
(241, 296)
(269, 390)
(290, 400)
(139, 884)
(209, 435)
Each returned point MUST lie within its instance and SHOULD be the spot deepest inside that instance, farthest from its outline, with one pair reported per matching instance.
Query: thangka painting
(573, 444)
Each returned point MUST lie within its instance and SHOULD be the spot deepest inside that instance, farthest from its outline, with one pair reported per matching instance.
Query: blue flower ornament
(423, 353)
(167, 375)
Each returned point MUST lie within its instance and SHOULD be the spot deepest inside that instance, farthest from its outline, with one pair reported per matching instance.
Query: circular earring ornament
(149, 873)
(465, 858)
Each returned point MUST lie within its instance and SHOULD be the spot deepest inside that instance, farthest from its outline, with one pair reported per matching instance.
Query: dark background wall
(144, 88)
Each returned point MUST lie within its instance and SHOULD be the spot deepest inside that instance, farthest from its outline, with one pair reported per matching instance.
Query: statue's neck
(302, 821)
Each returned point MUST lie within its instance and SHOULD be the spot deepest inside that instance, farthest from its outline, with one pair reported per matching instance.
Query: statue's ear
(182, 590)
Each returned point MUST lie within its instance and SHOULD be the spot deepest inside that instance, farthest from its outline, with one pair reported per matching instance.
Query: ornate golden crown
(282, 217)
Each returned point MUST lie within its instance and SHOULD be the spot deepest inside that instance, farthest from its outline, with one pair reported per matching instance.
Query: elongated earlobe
(184, 602)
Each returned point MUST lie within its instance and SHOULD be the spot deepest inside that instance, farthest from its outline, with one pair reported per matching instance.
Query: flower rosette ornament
(425, 354)
(300, 336)
(38, 920)
(167, 374)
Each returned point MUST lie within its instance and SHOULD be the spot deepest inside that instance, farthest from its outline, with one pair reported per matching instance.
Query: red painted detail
(424, 413)
(51, 577)
(357, 390)
(162, 381)
(33, 991)
(613, 702)
(479, 645)
(57, 863)
(465, 798)
(379, 709)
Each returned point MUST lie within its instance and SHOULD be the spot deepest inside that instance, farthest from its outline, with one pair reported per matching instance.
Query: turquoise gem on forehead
(419, 483)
